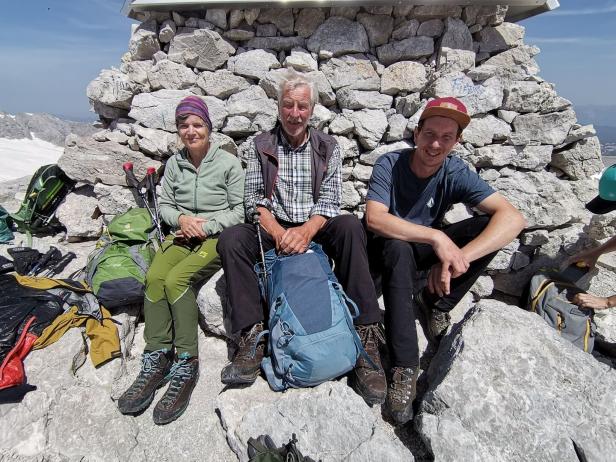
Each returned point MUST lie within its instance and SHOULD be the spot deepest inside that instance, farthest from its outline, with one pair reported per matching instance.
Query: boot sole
(178, 413)
(239, 380)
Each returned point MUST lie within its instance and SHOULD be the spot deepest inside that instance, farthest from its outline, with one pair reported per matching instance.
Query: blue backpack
(311, 334)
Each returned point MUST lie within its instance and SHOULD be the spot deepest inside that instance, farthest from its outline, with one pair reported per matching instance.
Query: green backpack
(6, 235)
(48, 186)
(116, 269)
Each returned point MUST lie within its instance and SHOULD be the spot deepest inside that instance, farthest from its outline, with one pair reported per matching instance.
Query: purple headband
(195, 106)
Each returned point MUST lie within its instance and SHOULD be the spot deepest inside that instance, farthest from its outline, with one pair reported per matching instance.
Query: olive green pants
(170, 305)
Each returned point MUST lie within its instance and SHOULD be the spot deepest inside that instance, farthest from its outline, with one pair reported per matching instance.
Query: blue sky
(50, 50)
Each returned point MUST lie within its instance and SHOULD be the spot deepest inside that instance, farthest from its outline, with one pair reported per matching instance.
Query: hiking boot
(245, 365)
(155, 365)
(401, 393)
(370, 383)
(183, 377)
(436, 322)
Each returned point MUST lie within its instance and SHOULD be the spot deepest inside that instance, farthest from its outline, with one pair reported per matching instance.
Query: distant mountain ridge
(41, 125)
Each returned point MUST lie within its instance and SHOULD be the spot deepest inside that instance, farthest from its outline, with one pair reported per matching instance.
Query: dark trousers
(399, 263)
(343, 239)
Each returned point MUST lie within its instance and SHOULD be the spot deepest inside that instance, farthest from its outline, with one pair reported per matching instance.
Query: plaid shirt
(292, 199)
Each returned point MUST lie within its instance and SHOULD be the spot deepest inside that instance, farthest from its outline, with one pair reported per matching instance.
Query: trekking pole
(60, 265)
(151, 186)
(256, 218)
(133, 182)
(51, 253)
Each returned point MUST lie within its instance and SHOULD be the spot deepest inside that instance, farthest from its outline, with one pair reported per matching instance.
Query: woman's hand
(191, 227)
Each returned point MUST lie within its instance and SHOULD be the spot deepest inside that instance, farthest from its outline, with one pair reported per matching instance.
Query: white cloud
(609, 8)
(589, 41)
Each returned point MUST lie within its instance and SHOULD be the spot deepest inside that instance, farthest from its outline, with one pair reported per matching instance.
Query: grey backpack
(550, 297)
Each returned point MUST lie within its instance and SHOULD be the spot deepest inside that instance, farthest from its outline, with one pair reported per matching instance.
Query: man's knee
(396, 253)
(231, 239)
(347, 226)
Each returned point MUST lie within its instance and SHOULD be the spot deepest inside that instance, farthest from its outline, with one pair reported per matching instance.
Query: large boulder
(170, 75)
(496, 392)
(370, 126)
(529, 96)
(580, 160)
(222, 83)
(404, 76)
(549, 128)
(357, 99)
(144, 42)
(157, 109)
(253, 64)
(250, 111)
(406, 49)
(113, 88)
(80, 215)
(352, 71)
(89, 161)
(478, 98)
(204, 49)
(338, 36)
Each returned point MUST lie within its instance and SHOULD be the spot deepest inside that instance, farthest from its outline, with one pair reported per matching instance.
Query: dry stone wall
(375, 68)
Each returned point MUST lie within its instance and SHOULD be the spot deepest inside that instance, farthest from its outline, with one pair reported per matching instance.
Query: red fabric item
(12, 371)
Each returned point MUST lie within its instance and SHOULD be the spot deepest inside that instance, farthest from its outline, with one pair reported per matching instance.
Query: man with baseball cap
(605, 202)
(410, 191)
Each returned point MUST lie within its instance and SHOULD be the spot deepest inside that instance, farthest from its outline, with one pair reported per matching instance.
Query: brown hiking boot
(401, 393)
(370, 383)
(246, 363)
(435, 322)
(183, 377)
(155, 365)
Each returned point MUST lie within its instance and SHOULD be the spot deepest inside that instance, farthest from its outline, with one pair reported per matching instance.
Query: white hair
(292, 79)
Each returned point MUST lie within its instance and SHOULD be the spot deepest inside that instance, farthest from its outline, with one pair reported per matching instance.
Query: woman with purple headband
(202, 194)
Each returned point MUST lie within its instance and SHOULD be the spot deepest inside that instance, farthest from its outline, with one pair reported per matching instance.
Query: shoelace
(246, 342)
(180, 373)
(398, 388)
(149, 362)
(370, 336)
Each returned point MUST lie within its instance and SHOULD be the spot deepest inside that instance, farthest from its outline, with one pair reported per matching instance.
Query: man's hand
(295, 240)
(191, 227)
(587, 258)
(591, 301)
(453, 260)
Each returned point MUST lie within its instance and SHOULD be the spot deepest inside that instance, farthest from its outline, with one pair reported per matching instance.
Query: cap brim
(462, 119)
(600, 206)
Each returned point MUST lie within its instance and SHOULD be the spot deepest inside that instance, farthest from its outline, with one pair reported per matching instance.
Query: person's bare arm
(505, 224)
(589, 257)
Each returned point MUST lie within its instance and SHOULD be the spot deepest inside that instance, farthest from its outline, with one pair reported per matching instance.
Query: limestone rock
(478, 99)
(320, 117)
(579, 132)
(405, 30)
(350, 196)
(427, 12)
(528, 96)
(348, 147)
(354, 71)
(543, 199)
(406, 49)
(580, 161)
(254, 63)
(357, 99)
(308, 20)
(239, 35)
(398, 128)
(78, 212)
(520, 399)
(407, 105)
(370, 126)
(362, 172)
(254, 106)
(235, 18)
(515, 64)
(89, 161)
(212, 302)
(484, 15)
(277, 43)
(338, 36)
(327, 97)
(200, 48)
(157, 109)
(549, 128)
(216, 16)
(529, 157)
(113, 200)
(451, 61)
(500, 38)
(370, 158)
(167, 31)
(112, 88)
(251, 15)
(379, 9)
(157, 143)
(345, 429)
(431, 28)
(483, 130)
(222, 83)
(144, 42)
(348, 12)
(170, 75)
(137, 72)
(456, 35)
(505, 257)
(341, 125)
(281, 17)
(404, 76)
(458, 212)
(378, 27)
(301, 61)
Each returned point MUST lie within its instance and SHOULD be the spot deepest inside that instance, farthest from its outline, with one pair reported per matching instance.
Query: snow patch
(22, 157)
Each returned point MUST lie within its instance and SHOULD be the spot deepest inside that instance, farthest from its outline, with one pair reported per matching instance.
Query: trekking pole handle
(131, 179)
(43, 261)
(61, 264)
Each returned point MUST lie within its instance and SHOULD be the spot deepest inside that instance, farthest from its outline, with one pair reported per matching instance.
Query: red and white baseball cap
(447, 107)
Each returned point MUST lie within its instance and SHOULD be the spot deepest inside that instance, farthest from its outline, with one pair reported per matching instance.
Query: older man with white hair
(293, 179)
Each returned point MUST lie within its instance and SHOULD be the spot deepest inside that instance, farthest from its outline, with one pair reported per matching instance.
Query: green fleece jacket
(214, 191)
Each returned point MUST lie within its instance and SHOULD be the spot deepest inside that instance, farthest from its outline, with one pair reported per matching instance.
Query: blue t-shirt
(424, 201)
